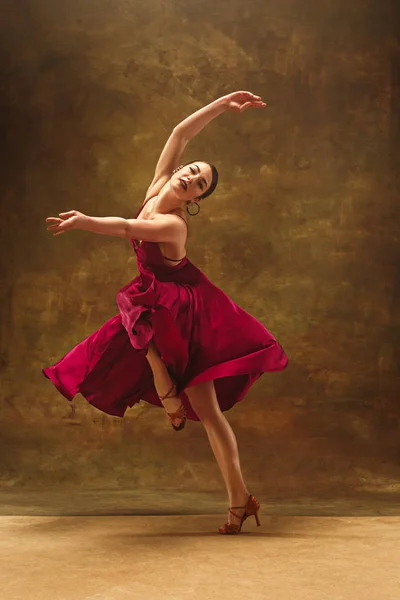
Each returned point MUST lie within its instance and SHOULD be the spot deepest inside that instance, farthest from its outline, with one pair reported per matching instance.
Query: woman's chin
(179, 191)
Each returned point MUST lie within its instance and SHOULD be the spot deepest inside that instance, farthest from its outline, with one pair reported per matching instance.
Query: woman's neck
(167, 200)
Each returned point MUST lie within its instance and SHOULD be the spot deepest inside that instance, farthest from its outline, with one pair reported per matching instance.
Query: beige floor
(177, 557)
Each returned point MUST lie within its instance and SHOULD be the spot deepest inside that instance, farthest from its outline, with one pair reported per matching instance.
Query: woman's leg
(162, 381)
(222, 439)
(203, 400)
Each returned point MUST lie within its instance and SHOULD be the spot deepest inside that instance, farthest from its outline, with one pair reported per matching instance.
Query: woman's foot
(172, 406)
(238, 513)
(175, 410)
(238, 501)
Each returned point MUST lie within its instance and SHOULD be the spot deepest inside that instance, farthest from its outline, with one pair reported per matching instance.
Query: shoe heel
(255, 507)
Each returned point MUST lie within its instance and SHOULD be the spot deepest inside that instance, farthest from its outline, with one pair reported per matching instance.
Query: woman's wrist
(223, 102)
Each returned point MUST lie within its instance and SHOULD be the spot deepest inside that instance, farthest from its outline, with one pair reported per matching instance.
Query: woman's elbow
(129, 229)
(179, 133)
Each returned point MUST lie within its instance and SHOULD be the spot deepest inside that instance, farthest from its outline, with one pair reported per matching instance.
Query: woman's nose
(192, 177)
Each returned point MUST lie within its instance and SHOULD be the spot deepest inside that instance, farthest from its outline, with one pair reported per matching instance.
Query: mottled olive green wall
(303, 232)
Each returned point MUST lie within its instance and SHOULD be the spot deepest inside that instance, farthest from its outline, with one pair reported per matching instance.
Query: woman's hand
(67, 221)
(239, 101)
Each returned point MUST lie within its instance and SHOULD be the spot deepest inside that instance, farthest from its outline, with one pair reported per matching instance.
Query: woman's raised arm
(171, 155)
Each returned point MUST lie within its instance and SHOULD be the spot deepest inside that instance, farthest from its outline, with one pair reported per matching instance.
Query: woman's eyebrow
(203, 179)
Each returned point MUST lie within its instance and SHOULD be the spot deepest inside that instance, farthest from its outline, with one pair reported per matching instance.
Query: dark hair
(214, 177)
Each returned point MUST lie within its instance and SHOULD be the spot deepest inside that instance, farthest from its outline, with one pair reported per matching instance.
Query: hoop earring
(193, 214)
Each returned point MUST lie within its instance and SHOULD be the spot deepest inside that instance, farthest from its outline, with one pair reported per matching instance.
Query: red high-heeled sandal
(179, 414)
(251, 509)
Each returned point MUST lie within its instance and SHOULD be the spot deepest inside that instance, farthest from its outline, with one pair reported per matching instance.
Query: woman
(178, 340)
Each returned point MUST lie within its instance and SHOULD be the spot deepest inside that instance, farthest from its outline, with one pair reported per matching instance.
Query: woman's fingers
(62, 223)
(257, 104)
(252, 96)
(244, 106)
(56, 224)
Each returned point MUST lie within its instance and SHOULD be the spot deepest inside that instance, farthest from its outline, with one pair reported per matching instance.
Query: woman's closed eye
(193, 172)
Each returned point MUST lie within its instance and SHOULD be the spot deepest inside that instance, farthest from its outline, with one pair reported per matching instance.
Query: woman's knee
(152, 354)
(203, 400)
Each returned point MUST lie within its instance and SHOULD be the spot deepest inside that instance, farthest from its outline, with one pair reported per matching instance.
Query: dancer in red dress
(178, 341)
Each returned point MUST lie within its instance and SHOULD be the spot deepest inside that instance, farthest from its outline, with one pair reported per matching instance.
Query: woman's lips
(183, 184)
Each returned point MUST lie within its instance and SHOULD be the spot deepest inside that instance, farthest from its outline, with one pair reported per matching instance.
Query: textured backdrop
(303, 231)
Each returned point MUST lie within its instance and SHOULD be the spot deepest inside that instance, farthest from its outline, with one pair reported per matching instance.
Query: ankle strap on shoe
(167, 395)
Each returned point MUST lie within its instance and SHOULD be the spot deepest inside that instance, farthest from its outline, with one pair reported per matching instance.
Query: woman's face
(192, 180)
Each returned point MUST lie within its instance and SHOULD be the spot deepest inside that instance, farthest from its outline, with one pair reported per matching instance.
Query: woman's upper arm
(169, 157)
(164, 228)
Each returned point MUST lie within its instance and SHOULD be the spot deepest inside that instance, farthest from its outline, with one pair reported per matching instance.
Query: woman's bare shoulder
(179, 213)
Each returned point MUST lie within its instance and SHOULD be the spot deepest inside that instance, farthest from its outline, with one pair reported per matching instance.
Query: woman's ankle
(171, 404)
(239, 498)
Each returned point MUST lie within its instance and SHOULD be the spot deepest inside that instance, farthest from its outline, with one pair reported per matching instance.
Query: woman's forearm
(193, 124)
(115, 226)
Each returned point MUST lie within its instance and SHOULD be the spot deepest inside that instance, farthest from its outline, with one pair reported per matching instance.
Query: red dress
(200, 332)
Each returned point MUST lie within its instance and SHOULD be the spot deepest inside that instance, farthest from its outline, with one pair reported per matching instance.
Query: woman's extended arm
(193, 124)
(163, 228)
(171, 155)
